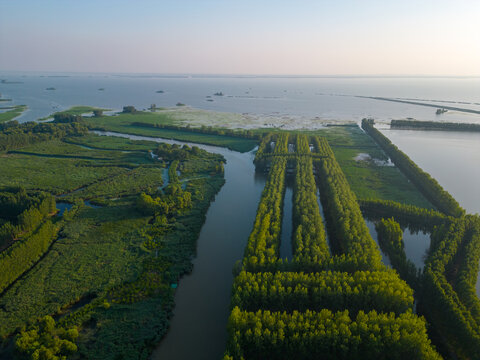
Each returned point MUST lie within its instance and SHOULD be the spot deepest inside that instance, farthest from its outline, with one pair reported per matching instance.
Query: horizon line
(252, 75)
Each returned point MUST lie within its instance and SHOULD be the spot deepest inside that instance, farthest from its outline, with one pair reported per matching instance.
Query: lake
(297, 98)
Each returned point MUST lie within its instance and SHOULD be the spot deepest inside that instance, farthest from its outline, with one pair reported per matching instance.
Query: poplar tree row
(327, 335)
(350, 234)
(415, 217)
(309, 240)
(22, 254)
(455, 314)
(382, 291)
(390, 239)
(264, 241)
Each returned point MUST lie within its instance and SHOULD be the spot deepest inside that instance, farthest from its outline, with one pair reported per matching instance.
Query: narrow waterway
(286, 246)
(324, 219)
(198, 327)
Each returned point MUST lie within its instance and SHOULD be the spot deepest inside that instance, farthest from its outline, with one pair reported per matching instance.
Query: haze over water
(322, 98)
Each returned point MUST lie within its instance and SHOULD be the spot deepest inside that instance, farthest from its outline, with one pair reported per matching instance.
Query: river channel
(198, 327)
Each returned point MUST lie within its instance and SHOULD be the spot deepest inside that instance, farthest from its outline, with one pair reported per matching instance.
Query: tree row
(14, 135)
(451, 312)
(309, 240)
(327, 335)
(264, 240)
(349, 232)
(408, 215)
(390, 239)
(382, 291)
(22, 254)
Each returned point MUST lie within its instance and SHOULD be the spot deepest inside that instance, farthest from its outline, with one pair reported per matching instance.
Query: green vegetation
(370, 178)
(302, 309)
(76, 110)
(14, 135)
(408, 215)
(21, 213)
(390, 238)
(107, 263)
(429, 187)
(46, 341)
(310, 244)
(161, 124)
(432, 125)
(107, 273)
(264, 241)
(289, 291)
(12, 113)
(349, 234)
(19, 257)
(327, 335)
(450, 301)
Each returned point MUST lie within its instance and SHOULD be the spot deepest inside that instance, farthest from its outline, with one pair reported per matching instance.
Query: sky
(295, 37)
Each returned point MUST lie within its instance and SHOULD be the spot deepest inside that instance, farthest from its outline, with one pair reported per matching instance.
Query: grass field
(370, 179)
(12, 113)
(124, 123)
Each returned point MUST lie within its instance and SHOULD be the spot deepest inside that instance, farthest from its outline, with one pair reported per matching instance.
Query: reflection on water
(452, 158)
(373, 233)
(416, 246)
(62, 206)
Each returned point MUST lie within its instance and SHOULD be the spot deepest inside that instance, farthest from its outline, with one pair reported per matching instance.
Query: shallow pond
(416, 245)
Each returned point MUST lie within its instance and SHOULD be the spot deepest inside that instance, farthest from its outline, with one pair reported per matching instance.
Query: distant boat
(159, 91)
(101, 89)
(50, 88)
(218, 93)
(441, 111)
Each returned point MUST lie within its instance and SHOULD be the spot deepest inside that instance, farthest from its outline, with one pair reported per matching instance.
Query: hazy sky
(431, 37)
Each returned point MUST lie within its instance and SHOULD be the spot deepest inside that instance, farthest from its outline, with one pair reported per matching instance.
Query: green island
(102, 228)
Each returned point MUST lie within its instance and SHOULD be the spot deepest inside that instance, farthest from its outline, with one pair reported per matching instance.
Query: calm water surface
(286, 246)
(328, 98)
